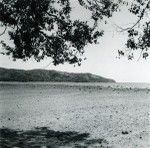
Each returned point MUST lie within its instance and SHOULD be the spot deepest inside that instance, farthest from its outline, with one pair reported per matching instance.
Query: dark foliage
(44, 28)
(48, 76)
(139, 32)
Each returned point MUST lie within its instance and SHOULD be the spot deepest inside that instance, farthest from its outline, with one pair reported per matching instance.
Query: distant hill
(48, 76)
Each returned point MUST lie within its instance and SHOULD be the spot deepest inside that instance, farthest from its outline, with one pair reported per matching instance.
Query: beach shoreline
(118, 115)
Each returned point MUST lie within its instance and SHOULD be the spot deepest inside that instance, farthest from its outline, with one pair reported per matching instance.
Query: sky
(101, 58)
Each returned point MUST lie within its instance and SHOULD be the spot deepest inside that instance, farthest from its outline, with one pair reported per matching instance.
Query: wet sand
(111, 117)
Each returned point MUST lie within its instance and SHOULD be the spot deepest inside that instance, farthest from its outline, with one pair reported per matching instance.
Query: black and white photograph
(74, 73)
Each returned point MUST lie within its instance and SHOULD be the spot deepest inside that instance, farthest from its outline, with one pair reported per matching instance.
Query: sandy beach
(102, 116)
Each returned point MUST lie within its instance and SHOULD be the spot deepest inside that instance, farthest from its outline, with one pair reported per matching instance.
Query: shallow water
(105, 111)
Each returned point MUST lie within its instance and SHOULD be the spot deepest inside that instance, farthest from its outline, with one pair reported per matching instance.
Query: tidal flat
(74, 115)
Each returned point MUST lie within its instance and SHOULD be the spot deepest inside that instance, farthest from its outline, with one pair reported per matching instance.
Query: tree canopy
(44, 28)
(139, 32)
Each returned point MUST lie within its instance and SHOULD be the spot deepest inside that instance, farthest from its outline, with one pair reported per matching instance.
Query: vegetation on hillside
(48, 76)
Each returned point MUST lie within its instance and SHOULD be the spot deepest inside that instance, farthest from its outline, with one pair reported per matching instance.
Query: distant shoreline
(108, 85)
(40, 75)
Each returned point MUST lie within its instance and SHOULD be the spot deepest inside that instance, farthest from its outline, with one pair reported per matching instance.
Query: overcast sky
(101, 58)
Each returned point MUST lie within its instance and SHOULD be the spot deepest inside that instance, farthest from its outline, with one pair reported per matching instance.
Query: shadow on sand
(45, 138)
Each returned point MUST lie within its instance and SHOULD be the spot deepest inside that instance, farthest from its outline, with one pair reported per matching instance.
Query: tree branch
(52, 15)
(3, 31)
(137, 22)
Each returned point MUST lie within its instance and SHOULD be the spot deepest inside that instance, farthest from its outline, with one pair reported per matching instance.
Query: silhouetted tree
(139, 32)
(41, 28)
(139, 36)
(44, 28)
